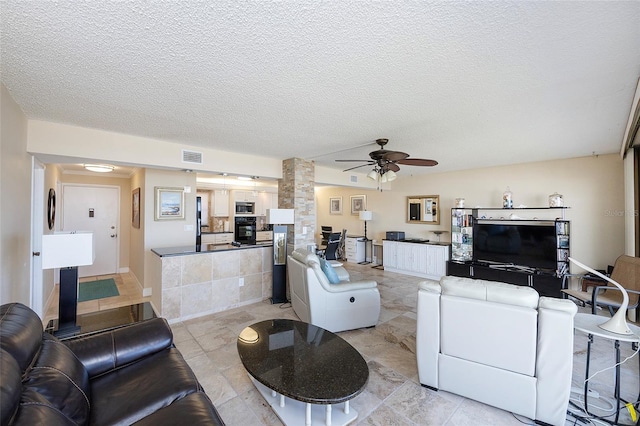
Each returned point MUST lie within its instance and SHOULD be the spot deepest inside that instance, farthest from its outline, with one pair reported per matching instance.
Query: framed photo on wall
(135, 208)
(335, 205)
(169, 203)
(358, 203)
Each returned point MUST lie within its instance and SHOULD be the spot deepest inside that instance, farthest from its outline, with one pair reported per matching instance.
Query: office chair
(326, 231)
(333, 243)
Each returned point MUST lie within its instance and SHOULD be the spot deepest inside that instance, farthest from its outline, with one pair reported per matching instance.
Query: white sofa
(497, 343)
(334, 307)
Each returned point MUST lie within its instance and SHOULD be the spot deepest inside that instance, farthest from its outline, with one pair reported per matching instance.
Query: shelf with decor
(513, 249)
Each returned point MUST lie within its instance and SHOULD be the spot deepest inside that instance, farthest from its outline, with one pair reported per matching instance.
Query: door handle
(114, 235)
(36, 253)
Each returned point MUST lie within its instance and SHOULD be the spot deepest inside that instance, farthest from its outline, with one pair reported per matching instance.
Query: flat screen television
(521, 244)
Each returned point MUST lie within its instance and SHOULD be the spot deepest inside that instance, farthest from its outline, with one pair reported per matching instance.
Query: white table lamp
(618, 322)
(67, 251)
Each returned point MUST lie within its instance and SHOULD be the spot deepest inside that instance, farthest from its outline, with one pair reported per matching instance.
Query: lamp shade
(280, 216)
(366, 215)
(65, 249)
(373, 174)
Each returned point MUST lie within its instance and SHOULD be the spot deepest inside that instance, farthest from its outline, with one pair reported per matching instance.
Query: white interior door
(37, 210)
(96, 209)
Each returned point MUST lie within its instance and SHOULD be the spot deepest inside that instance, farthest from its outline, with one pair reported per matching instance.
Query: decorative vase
(507, 200)
(556, 200)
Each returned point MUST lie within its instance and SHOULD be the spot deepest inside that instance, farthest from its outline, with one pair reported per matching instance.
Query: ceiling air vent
(353, 179)
(192, 157)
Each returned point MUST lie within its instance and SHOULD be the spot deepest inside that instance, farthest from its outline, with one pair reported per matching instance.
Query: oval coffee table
(301, 369)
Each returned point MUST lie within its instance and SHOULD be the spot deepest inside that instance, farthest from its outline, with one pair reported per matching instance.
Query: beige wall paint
(15, 203)
(51, 180)
(592, 187)
(83, 143)
(136, 239)
(125, 208)
(166, 233)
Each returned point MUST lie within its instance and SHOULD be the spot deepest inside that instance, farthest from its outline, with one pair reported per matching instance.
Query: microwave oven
(245, 207)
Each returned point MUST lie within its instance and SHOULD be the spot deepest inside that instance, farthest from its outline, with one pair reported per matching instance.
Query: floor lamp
(366, 215)
(67, 251)
(279, 218)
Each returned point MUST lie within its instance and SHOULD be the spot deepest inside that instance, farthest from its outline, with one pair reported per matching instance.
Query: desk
(589, 324)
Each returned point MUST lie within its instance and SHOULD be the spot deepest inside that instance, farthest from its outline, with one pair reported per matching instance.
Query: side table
(589, 323)
(108, 319)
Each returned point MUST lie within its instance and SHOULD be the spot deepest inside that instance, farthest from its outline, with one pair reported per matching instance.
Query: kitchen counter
(206, 248)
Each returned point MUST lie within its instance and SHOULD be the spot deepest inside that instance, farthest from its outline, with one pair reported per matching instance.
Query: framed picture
(135, 208)
(169, 203)
(358, 203)
(335, 205)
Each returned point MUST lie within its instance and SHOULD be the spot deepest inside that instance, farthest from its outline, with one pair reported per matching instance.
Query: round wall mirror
(51, 208)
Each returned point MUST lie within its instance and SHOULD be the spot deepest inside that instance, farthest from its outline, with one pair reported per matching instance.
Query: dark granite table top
(205, 248)
(302, 361)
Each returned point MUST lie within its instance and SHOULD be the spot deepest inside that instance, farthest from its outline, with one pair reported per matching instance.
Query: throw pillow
(328, 270)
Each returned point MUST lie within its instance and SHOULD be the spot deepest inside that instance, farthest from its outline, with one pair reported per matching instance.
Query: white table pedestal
(296, 413)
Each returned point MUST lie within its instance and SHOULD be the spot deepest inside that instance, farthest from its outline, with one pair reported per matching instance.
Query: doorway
(94, 208)
(37, 229)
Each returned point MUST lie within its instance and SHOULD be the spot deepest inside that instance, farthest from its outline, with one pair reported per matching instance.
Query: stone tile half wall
(199, 284)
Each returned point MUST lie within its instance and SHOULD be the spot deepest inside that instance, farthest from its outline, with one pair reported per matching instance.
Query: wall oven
(245, 207)
(245, 229)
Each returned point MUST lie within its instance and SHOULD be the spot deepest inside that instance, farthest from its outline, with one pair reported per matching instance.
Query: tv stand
(545, 283)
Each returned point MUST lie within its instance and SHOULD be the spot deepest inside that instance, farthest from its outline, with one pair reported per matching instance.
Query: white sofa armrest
(350, 286)
(428, 333)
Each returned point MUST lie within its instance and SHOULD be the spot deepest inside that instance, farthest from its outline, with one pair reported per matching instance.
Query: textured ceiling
(470, 84)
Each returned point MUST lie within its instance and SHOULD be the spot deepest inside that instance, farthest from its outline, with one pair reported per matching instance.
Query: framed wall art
(358, 203)
(135, 208)
(335, 205)
(169, 203)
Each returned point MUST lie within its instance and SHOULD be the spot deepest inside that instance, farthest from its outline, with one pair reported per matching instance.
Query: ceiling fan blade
(357, 167)
(395, 155)
(391, 166)
(417, 162)
(353, 161)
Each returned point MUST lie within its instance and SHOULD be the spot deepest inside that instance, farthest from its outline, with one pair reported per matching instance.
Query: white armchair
(497, 343)
(334, 307)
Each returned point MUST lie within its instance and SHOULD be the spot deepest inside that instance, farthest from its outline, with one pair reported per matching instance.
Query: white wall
(165, 233)
(629, 211)
(592, 187)
(15, 203)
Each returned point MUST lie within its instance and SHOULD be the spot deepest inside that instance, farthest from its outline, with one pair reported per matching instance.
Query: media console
(546, 284)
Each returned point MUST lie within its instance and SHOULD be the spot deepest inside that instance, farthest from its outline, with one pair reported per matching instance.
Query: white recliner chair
(334, 307)
(497, 343)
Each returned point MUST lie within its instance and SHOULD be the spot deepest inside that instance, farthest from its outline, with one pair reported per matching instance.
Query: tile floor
(393, 395)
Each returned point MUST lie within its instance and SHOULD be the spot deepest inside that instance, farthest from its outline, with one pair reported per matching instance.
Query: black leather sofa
(131, 375)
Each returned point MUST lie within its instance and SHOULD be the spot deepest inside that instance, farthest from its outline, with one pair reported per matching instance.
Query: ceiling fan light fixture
(99, 168)
(390, 175)
(373, 174)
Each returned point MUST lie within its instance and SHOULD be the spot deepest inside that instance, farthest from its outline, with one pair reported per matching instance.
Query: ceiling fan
(385, 162)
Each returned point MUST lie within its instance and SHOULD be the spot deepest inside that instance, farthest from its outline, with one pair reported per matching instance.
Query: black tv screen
(529, 244)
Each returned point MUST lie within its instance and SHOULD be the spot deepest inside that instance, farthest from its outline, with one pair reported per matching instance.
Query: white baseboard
(123, 270)
(146, 292)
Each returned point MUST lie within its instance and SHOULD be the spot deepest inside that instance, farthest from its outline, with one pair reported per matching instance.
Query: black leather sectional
(131, 375)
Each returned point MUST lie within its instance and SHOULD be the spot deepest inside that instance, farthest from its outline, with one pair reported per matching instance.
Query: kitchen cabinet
(217, 238)
(220, 203)
(247, 196)
(417, 259)
(354, 248)
(266, 200)
(264, 235)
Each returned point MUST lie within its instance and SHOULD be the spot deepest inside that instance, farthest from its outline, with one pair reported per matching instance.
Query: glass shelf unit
(462, 235)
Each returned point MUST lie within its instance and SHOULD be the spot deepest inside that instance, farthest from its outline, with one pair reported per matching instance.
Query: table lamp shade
(280, 216)
(65, 249)
(366, 215)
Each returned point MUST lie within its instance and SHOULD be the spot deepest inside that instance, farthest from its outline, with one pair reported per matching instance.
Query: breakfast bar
(199, 280)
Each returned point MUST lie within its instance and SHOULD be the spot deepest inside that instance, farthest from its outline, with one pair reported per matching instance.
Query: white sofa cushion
(490, 290)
